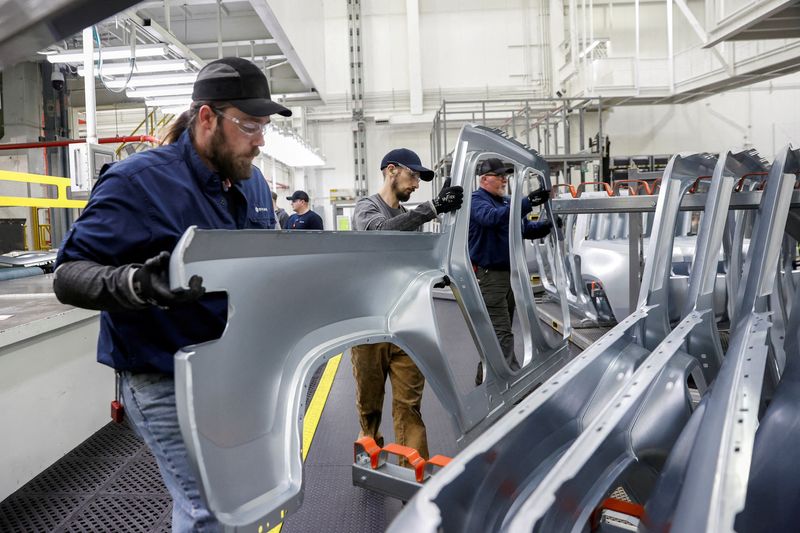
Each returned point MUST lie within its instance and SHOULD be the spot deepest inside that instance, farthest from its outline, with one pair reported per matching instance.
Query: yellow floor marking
(314, 411)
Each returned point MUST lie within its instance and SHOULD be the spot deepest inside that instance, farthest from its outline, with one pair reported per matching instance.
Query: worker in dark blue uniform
(115, 258)
(303, 217)
(489, 251)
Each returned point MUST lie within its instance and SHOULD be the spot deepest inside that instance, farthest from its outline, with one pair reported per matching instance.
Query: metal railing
(555, 127)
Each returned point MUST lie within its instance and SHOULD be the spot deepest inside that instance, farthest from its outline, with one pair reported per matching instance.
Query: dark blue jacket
(140, 207)
(308, 220)
(488, 229)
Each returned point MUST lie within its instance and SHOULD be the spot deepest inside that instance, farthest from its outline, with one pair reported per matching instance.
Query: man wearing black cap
(372, 363)
(489, 251)
(303, 217)
(115, 258)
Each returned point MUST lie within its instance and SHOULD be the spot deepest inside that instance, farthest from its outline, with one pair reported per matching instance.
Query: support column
(88, 85)
(414, 57)
(357, 96)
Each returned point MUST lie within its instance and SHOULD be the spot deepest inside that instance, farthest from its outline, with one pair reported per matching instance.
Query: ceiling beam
(255, 42)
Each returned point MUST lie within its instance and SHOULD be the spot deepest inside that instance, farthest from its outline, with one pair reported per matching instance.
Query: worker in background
(372, 363)
(280, 213)
(115, 258)
(489, 251)
(303, 217)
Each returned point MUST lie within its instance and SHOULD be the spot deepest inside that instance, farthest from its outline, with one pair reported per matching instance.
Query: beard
(234, 167)
(402, 194)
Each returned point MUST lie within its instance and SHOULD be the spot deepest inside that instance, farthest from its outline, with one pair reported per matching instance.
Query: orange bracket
(410, 454)
(571, 189)
(439, 461)
(620, 506)
(606, 186)
(656, 185)
(740, 183)
(368, 446)
(643, 184)
(693, 188)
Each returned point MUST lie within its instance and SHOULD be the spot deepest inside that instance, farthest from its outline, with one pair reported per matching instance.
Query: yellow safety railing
(61, 185)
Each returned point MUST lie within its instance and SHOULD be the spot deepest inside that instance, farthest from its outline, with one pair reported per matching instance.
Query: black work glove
(151, 284)
(536, 229)
(539, 196)
(449, 199)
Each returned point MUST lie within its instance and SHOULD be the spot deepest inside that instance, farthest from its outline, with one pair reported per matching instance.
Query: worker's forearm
(93, 286)
(409, 221)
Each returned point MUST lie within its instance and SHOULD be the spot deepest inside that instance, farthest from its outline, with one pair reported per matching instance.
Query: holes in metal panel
(118, 513)
(139, 477)
(85, 475)
(23, 513)
(118, 442)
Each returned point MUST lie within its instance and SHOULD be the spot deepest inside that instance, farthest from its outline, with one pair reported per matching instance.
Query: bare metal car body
(240, 398)
(621, 414)
(597, 248)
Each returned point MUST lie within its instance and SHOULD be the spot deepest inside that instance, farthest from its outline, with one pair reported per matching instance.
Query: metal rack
(546, 124)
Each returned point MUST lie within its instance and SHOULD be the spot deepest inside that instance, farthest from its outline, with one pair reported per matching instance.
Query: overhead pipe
(66, 142)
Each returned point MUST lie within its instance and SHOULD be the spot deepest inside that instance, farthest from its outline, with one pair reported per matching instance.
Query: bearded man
(373, 363)
(115, 258)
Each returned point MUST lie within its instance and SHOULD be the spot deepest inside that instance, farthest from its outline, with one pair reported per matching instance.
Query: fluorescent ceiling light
(155, 92)
(168, 101)
(154, 80)
(166, 65)
(114, 52)
(290, 149)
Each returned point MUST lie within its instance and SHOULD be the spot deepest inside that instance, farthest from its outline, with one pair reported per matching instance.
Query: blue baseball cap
(407, 158)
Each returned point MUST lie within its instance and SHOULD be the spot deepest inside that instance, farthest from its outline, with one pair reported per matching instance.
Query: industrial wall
(503, 58)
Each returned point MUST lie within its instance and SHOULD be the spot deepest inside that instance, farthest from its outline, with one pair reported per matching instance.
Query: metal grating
(140, 477)
(110, 482)
(121, 513)
(74, 476)
(116, 442)
(23, 514)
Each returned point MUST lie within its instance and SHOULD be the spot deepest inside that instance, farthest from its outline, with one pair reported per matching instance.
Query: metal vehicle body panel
(646, 414)
(240, 398)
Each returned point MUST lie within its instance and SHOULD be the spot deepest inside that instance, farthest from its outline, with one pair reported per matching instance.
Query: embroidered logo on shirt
(260, 209)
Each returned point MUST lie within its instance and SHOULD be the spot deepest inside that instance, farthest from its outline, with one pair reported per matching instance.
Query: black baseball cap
(298, 195)
(494, 166)
(407, 158)
(238, 82)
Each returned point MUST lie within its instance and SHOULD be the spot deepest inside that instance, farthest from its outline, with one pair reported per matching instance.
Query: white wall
(764, 116)
(474, 49)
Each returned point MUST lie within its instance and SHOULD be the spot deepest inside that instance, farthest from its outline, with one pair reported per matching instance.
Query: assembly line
(272, 269)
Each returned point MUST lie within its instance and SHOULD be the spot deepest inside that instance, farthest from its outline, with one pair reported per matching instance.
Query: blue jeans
(149, 401)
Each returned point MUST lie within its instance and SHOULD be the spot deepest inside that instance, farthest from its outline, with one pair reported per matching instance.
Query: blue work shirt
(308, 220)
(488, 229)
(140, 207)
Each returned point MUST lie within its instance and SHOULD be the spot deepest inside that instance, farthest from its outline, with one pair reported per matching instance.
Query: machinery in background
(86, 161)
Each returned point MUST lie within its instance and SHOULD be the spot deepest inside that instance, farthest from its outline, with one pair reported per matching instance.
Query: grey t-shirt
(373, 213)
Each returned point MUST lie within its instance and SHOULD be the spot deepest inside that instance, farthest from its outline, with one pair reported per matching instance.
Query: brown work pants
(372, 363)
